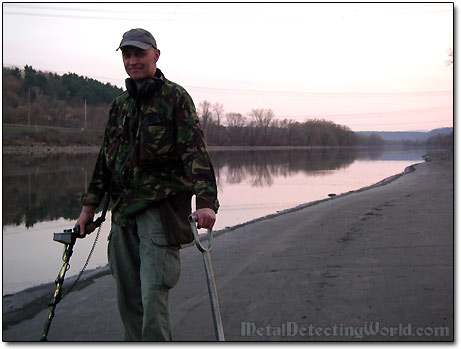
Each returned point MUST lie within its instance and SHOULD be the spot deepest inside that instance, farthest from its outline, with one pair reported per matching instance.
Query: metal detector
(68, 237)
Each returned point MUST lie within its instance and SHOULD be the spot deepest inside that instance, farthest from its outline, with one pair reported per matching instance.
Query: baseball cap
(138, 37)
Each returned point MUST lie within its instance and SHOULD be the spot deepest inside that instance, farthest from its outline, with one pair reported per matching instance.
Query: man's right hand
(85, 217)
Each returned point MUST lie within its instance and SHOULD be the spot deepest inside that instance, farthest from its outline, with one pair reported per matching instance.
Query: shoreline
(42, 149)
(26, 303)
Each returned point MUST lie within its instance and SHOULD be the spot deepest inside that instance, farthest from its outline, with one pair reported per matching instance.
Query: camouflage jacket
(152, 149)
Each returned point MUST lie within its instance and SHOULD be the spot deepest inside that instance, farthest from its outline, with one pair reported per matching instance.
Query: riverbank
(381, 255)
(41, 149)
(38, 149)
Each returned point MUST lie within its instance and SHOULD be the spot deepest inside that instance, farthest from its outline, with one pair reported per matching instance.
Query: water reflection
(40, 193)
(38, 188)
(260, 167)
(45, 188)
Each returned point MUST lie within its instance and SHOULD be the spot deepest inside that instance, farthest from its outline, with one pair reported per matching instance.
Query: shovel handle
(193, 220)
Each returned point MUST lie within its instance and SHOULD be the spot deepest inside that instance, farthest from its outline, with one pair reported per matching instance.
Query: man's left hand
(206, 218)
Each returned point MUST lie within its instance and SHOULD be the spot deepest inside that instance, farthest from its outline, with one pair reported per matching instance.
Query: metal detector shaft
(218, 327)
(59, 282)
(68, 238)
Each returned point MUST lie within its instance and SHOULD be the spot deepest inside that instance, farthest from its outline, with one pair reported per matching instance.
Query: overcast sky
(367, 66)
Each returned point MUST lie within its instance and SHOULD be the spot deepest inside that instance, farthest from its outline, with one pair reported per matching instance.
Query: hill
(46, 108)
(415, 136)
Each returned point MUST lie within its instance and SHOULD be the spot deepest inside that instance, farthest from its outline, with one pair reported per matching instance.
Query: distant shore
(93, 149)
(42, 149)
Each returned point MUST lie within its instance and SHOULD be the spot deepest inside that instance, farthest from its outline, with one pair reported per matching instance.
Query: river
(39, 197)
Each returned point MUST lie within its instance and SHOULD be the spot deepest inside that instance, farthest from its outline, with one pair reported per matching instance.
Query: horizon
(339, 62)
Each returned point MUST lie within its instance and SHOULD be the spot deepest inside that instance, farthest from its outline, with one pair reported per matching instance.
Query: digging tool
(218, 327)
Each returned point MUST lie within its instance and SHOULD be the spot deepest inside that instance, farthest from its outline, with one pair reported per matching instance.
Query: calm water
(39, 198)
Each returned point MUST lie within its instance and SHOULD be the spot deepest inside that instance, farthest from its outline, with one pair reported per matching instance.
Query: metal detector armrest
(64, 237)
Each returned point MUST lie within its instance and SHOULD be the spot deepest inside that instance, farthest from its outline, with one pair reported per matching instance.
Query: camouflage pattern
(151, 150)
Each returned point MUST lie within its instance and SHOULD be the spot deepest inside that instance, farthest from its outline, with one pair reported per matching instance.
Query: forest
(50, 109)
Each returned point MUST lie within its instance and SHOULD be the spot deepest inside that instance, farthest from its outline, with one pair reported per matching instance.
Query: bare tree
(236, 123)
(262, 117)
(218, 111)
(236, 120)
(205, 115)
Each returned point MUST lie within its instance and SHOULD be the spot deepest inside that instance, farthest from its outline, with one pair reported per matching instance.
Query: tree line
(32, 97)
(261, 128)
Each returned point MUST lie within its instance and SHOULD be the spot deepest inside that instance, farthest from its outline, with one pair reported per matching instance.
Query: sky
(369, 66)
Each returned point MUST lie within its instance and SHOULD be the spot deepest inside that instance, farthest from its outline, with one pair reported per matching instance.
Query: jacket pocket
(156, 140)
(172, 267)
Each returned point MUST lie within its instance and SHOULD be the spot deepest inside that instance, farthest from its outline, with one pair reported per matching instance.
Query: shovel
(218, 327)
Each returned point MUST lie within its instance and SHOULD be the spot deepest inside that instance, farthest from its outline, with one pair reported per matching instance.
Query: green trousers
(145, 268)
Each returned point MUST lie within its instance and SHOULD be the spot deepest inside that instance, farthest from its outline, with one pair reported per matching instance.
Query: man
(153, 158)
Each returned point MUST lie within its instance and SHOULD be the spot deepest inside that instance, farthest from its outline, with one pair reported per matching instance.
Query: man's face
(140, 63)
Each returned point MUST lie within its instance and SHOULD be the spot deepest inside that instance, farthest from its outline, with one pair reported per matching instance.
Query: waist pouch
(174, 212)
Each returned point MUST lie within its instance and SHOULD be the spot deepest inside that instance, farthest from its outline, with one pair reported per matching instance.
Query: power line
(387, 113)
(321, 94)
(66, 9)
(303, 94)
(178, 12)
(160, 16)
(75, 16)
